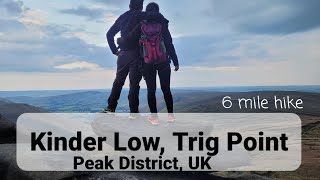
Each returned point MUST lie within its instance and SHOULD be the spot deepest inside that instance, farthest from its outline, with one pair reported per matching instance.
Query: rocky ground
(309, 168)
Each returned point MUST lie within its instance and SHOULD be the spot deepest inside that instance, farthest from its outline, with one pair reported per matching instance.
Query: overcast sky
(61, 44)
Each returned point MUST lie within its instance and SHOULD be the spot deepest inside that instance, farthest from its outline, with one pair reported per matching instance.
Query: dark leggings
(150, 75)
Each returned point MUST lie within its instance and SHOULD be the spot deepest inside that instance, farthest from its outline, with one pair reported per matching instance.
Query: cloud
(30, 44)
(40, 54)
(117, 3)
(89, 13)
(13, 8)
(266, 42)
(39, 48)
(220, 18)
(8, 25)
(211, 68)
(268, 16)
(82, 65)
(33, 18)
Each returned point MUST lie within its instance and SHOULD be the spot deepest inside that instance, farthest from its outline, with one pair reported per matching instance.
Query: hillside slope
(213, 102)
(11, 111)
(7, 131)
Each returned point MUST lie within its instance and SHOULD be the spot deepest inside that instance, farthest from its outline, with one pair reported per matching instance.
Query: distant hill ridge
(185, 101)
(4, 101)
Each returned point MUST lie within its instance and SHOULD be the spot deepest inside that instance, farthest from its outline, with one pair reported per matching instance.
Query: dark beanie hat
(152, 7)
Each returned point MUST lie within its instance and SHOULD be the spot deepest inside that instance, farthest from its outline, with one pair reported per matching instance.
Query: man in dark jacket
(128, 57)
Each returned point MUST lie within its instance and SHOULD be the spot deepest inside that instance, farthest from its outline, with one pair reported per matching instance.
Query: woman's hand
(176, 68)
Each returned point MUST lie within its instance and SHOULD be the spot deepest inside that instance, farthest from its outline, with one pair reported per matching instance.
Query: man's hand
(118, 53)
(176, 68)
(120, 41)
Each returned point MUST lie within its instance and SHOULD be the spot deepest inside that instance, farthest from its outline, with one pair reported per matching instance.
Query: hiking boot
(154, 120)
(108, 110)
(171, 118)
